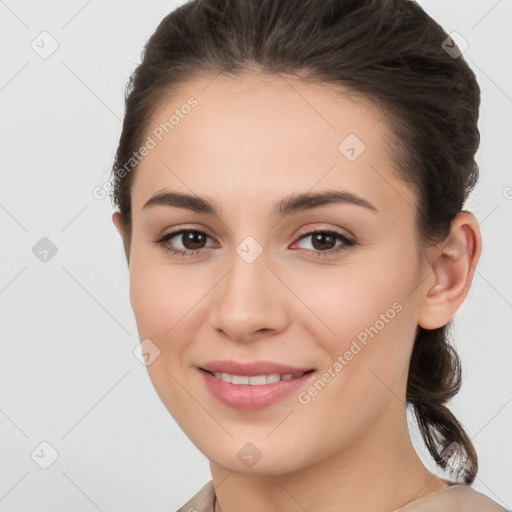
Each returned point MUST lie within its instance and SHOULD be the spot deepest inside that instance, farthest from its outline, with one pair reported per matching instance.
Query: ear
(452, 269)
(119, 224)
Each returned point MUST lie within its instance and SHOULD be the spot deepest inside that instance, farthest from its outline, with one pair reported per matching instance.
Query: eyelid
(343, 232)
(178, 230)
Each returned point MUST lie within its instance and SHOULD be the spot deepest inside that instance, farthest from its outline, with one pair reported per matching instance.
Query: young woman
(289, 185)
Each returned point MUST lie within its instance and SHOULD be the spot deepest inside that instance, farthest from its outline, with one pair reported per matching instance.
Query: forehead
(256, 137)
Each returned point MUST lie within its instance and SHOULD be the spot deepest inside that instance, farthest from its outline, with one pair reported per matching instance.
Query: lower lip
(245, 396)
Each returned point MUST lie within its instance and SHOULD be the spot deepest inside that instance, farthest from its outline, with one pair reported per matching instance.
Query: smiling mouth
(256, 380)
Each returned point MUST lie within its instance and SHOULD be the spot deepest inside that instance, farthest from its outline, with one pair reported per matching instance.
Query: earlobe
(452, 272)
(119, 224)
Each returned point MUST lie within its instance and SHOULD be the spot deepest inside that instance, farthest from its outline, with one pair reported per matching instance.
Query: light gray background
(68, 374)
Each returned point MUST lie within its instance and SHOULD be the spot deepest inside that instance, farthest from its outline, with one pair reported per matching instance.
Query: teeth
(256, 380)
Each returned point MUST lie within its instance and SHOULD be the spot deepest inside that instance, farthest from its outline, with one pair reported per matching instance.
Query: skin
(251, 141)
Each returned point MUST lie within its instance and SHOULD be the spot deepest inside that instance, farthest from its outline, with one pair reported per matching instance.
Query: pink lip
(251, 369)
(247, 396)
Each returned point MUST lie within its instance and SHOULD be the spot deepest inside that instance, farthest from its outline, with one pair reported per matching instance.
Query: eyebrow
(290, 204)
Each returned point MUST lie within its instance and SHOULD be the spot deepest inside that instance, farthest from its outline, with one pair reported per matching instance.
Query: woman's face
(261, 280)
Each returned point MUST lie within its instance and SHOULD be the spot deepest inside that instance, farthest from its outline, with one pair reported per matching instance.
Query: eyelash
(347, 242)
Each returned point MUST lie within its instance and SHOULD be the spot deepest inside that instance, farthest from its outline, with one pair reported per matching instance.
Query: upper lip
(251, 369)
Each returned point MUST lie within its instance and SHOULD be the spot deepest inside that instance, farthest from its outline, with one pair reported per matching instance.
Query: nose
(250, 301)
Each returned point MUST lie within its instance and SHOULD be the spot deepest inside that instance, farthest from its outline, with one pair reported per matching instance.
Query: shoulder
(456, 498)
(202, 501)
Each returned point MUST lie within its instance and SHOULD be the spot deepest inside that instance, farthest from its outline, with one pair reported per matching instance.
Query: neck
(379, 472)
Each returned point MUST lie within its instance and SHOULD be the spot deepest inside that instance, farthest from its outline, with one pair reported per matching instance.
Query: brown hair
(388, 50)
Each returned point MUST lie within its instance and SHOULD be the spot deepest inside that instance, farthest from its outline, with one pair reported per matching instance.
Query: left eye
(193, 241)
(327, 237)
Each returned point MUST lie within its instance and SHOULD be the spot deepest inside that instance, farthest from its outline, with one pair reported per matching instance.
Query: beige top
(455, 498)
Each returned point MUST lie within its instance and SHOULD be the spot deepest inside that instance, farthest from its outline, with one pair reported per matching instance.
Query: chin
(258, 459)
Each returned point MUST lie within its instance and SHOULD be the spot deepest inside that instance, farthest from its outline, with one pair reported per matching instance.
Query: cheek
(366, 371)
(161, 294)
(371, 316)
(162, 301)
(354, 299)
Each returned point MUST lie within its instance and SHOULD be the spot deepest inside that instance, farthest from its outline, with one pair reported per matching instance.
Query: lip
(252, 368)
(247, 396)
